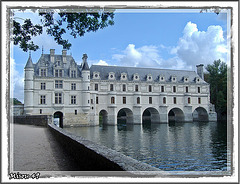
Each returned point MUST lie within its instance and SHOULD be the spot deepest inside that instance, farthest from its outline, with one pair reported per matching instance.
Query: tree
(217, 78)
(57, 24)
(15, 101)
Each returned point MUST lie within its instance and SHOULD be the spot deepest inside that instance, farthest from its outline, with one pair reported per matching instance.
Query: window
(136, 87)
(150, 100)
(174, 89)
(174, 100)
(97, 100)
(199, 100)
(43, 99)
(40, 111)
(111, 87)
(112, 100)
(96, 87)
(149, 88)
(75, 112)
(91, 101)
(88, 88)
(43, 86)
(73, 73)
(199, 90)
(124, 87)
(189, 100)
(164, 100)
(138, 100)
(58, 84)
(58, 73)
(73, 86)
(73, 99)
(43, 72)
(162, 88)
(186, 89)
(124, 100)
(58, 98)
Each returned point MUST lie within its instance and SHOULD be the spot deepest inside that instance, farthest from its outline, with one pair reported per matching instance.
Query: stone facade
(77, 95)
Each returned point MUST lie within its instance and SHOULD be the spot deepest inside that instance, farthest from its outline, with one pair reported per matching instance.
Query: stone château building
(77, 95)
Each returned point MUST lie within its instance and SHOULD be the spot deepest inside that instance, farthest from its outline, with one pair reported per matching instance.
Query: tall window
(124, 87)
(96, 87)
(43, 72)
(174, 100)
(186, 89)
(111, 87)
(124, 100)
(58, 73)
(73, 99)
(174, 89)
(58, 98)
(149, 88)
(97, 100)
(112, 100)
(43, 86)
(91, 101)
(136, 87)
(58, 84)
(189, 100)
(138, 100)
(73, 86)
(164, 100)
(162, 88)
(199, 90)
(43, 99)
(150, 100)
(199, 100)
(73, 73)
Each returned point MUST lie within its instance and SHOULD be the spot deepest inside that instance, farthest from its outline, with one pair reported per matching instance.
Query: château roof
(29, 63)
(143, 73)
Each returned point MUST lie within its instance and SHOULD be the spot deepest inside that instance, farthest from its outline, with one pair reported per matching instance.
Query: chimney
(52, 53)
(200, 71)
(64, 56)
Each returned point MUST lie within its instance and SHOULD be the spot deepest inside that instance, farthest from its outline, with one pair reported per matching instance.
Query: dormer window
(197, 80)
(43, 72)
(161, 78)
(174, 78)
(58, 73)
(123, 76)
(185, 79)
(73, 74)
(111, 76)
(149, 77)
(96, 75)
(136, 77)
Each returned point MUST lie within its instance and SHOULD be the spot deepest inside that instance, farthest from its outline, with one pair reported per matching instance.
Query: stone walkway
(35, 149)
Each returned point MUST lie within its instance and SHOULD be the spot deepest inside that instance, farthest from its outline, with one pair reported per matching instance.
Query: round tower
(28, 87)
(85, 85)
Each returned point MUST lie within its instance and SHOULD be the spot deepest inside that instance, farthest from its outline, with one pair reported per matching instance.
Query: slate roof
(44, 62)
(143, 72)
(29, 63)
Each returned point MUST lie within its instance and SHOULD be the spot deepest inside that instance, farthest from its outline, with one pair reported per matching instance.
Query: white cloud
(146, 56)
(200, 47)
(101, 62)
(16, 82)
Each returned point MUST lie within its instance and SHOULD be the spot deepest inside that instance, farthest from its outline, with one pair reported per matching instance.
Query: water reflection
(195, 146)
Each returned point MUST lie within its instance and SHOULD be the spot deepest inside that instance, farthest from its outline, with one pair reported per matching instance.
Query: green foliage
(217, 78)
(57, 24)
(15, 101)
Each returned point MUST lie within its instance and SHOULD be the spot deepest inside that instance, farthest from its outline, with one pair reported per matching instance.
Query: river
(195, 146)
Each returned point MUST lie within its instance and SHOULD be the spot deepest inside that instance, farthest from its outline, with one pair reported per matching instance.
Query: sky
(167, 39)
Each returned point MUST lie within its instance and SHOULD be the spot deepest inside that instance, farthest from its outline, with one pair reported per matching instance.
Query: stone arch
(58, 119)
(200, 114)
(125, 115)
(103, 117)
(176, 114)
(151, 114)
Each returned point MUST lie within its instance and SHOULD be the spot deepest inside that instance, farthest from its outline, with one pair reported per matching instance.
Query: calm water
(197, 146)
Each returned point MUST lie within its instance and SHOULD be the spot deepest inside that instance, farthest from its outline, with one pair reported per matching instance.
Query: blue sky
(171, 39)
